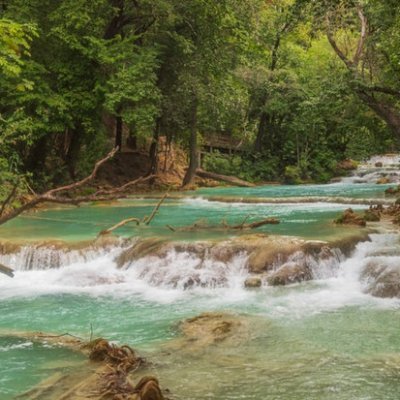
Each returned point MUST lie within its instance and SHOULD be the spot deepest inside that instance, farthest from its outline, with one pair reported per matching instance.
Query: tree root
(120, 361)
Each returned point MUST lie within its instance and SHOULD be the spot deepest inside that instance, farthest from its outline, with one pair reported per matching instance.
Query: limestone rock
(349, 217)
(381, 279)
(383, 181)
(290, 273)
(253, 282)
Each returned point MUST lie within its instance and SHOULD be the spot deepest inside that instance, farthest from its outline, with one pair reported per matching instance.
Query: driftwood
(154, 212)
(145, 220)
(7, 271)
(224, 226)
(224, 178)
(53, 195)
(121, 223)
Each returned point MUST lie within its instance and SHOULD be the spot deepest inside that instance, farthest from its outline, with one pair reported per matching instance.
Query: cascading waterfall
(376, 168)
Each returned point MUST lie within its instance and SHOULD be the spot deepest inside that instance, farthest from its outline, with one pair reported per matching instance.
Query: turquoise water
(313, 220)
(24, 363)
(319, 340)
(294, 352)
(361, 190)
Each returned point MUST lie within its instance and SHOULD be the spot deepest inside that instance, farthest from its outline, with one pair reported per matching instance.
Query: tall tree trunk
(37, 155)
(73, 151)
(153, 152)
(118, 133)
(262, 129)
(193, 153)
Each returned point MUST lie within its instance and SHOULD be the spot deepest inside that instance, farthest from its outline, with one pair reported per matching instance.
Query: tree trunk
(73, 152)
(233, 180)
(193, 153)
(37, 155)
(153, 153)
(262, 128)
(118, 133)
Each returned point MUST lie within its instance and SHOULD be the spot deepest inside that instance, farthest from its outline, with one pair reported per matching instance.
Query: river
(323, 339)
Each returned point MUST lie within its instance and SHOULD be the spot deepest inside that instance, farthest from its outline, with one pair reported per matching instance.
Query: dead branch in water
(145, 220)
(224, 226)
(53, 195)
(7, 271)
(121, 223)
(154, 212)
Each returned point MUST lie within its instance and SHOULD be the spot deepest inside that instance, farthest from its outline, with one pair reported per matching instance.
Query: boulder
(378, 164)
(290, 273)
(274, 252)
(383, 181)
(253, 282)
(349, 217)
(381, 279)
(347, 165)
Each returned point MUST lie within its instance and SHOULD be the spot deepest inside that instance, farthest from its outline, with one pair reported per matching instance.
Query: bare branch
(124, 187)
(88, 178)
(121, 223)
(50, 197)
(153, 214)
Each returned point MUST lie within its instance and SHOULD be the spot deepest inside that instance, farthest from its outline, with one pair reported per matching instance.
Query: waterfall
(377, 168)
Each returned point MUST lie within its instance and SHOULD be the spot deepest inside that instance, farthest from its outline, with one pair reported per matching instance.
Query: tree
(370, 58)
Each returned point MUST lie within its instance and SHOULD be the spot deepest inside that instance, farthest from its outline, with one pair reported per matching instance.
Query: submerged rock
(349, 217)
(290, 273)
(381, 279)
(253, 282)
(211, 329)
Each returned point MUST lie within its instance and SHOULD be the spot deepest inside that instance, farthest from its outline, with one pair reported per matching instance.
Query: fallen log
(7, 271)
(258, 224)
(233, 180)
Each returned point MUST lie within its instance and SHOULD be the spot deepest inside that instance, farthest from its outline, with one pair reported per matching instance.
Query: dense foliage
(302, 83)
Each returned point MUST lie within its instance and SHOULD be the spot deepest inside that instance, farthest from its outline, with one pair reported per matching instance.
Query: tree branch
(153, 214)
(334, 45)
(88, 178)
(121, 223)
(50, 197)
(363, 36)
(351, 64)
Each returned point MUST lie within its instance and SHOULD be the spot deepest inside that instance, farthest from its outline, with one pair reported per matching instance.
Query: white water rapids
(178, 274)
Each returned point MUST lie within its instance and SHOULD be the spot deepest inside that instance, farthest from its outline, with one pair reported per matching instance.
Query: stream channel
(322, 339)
